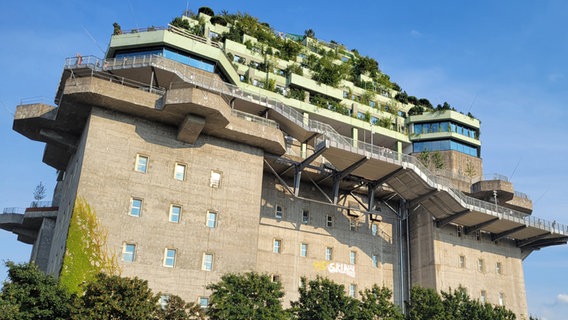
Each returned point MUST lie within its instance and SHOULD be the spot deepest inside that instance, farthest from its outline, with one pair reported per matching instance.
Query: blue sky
(504, 61)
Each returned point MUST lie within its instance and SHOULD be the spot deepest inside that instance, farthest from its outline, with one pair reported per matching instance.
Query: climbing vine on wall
(86, 253)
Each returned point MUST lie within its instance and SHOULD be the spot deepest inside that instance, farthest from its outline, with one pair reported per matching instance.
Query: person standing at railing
(79, 58)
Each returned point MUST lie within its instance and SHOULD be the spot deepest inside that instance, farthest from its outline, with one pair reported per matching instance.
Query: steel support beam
(342, 174)
(524, 243)
(479, 226)
(495, 237)
(421, 198)
(298, 168)
(445, 221)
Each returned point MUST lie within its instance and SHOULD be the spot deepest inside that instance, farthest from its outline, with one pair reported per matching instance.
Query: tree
(39, 194)
(246, 296)
(30, 294)
(206, 10)
(180, 23)
(115, 297)
(424, 304)
(323, 299)
(309, 33)
(376, 304)
(177, 309)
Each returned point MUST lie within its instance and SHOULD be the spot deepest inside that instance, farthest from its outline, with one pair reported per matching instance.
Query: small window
(207, 262)
(141, 163)
(203, 302)
(329, 221)
(478, 235)
(215, 180)
(328, 253)
(353, 225)
(501, 299)
(278, 212)
(164, 300)
(305, 216)
(352, 290)
(128, 252)
(275, 278)
(211, 219)
(175, 213)
(459, 231)
(135, 207)
(480, 265)
(462, 262)
(352, 257)
(499, 268)
(303, 249)
(375, 261)
(277, 246)
(483, 296)
(170, 258)
(374, 229)
(179, 172)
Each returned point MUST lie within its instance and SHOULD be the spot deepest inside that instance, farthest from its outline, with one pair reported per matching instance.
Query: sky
(503, 61)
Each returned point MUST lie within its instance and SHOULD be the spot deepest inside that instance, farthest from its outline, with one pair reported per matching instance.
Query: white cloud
(415, 33)
(562, 298)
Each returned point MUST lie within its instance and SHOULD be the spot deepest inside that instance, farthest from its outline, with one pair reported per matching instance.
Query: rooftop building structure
(203, 154)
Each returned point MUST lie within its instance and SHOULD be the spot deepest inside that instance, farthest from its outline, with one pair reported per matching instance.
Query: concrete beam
(479, 226)
(503, 234)
(445, 221)
(526, 242)
(190, 128)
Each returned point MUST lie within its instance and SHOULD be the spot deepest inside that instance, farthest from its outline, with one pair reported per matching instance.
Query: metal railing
(255, 119)
(329, 134)
(14, 210)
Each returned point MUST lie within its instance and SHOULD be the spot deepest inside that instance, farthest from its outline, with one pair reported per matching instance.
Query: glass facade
(445, 126)
(444, 145)
(171, 54)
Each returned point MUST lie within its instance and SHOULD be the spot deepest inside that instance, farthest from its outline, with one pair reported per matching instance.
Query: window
(462, 262)
(478, 235)
(215, 180)
(329, 221)
(374, 229)
(278, 212)
(375, 261)
(128, 252)
(305, 216)
(170, 258)
(141, 163)
(328, 253)
(203, 302)
(211, 219)
(164, 299)
(352, 257)
(352, 290)
(135, 207)
(303, 249)
(459, 230)
(207, 262)
(480, 265)
(501, 299)
(179, 171)
(483, 296)
(277, 246)
(498, 268)
(175, 213)
(275, 278)
(353, 225)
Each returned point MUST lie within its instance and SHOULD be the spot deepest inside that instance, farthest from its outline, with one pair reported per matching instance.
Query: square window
(277, 246)
(329, 221)
(169, 258)
(135, 207)
(207, 262)
(203, 302)
(328, 253)
(275, 278)
(211, 219)
(128, 252)
(278, 212)
(215, 180)
(305, 216)
(375, 261)
(175, 213)
(141, 163)
(352, 290)
(462, 262)
(352, 257)
(303, 249)
(179, 172)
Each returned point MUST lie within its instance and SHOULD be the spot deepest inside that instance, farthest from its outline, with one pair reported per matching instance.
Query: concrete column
(42, 245)
(304, 150)
(355, 136)
(399, 149)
